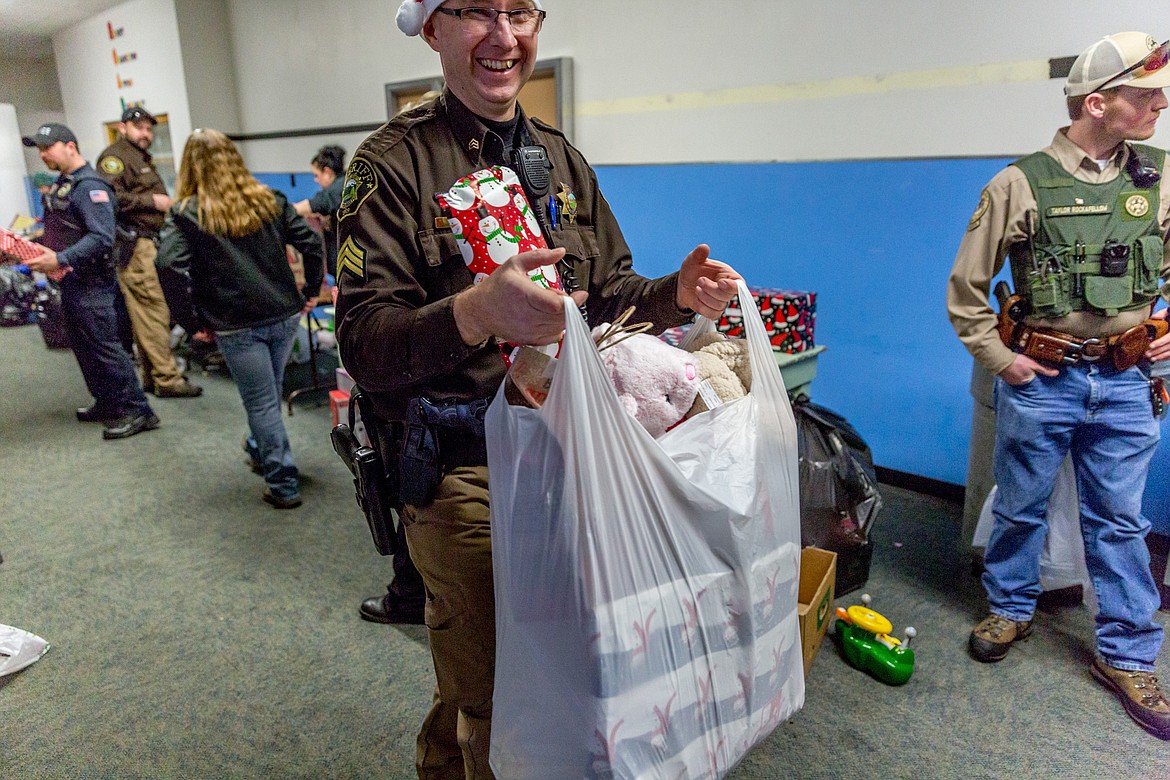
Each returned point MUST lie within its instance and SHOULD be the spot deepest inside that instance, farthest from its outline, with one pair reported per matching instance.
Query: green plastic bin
(798, 370)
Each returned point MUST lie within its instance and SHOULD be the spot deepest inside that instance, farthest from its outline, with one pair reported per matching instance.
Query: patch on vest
(360, 183)
(1136, 204)
(980, 210)
(352, 258)
(112, 165)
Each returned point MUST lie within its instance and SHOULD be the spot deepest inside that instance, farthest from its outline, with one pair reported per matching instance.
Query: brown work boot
(1139, 694)
(991, 639)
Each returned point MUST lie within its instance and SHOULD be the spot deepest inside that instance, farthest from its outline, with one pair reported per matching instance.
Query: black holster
(374, 483)
(125, 241)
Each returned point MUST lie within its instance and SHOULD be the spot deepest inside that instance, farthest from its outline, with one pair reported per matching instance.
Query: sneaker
(250, 457)
(125, 427)
(182, 390)
(991, 639)
(281, 503)
(1139, 694)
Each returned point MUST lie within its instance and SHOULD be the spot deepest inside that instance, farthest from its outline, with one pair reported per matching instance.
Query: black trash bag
(50, 316)
(17, 297)
(839, 498)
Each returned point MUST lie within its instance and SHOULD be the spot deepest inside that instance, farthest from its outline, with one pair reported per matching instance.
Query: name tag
(1077, 211)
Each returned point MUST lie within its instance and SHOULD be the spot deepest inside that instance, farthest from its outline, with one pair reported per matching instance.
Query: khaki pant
(450, 543)
(149, 317)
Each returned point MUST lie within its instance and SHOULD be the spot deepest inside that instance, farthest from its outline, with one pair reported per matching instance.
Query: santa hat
(413, 14)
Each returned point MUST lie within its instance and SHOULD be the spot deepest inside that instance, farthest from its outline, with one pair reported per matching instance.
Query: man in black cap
(79, 233)
(142, 205)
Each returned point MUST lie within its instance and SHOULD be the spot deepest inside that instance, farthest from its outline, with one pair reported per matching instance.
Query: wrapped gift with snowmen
(492, 221)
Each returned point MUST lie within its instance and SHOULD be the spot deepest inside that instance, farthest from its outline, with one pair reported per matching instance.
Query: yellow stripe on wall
(997, 73)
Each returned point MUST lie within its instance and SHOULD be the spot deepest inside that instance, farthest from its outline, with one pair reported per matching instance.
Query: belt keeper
(1041, 346)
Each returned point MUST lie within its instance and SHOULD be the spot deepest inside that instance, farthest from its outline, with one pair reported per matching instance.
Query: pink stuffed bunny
(656, 383)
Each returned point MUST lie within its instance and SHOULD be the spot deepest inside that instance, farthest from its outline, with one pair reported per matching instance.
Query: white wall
(88, 74)
(206, 35)
(662, 81)
(30, 85)
(13, 195)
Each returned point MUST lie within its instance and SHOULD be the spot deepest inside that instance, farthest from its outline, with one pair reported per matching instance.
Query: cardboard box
(814, 603)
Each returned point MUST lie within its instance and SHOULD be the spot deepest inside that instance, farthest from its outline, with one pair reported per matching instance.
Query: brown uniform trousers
(149, 317)
(450, 543)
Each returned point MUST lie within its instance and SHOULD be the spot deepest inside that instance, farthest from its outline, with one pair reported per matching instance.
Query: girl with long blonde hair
(223, 255)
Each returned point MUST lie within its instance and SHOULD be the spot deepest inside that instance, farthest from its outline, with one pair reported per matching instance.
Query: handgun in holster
(372, 480)
(1012, 311)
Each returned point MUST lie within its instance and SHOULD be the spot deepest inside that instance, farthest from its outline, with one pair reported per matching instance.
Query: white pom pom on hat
(413, 14)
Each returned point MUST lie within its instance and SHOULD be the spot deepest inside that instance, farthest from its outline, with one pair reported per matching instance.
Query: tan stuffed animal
(725, 365)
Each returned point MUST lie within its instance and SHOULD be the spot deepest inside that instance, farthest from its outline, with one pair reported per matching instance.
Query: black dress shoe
(130, 426)
(88, 414)
(386, 609)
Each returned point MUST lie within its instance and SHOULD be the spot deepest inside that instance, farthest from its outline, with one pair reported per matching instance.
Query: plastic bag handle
(579, 356)
(767, 383)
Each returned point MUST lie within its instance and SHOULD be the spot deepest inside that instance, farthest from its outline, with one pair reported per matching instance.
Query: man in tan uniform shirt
(142, 204)
(1085, 225)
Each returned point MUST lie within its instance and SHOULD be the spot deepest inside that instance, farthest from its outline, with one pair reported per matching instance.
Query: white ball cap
(1097, 65)
(413, 14)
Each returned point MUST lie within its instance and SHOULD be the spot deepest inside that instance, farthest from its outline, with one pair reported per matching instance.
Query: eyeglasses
(524, 21)
(1151, 63)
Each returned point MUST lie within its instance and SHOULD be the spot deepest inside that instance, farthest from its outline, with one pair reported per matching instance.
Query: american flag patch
(99, 196)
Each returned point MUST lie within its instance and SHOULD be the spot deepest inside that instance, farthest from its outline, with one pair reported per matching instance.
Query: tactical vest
(64, 226)
(1065, 267)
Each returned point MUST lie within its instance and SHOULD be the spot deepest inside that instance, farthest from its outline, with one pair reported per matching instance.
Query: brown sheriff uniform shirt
(130, 172)
(997, 224)
(398, 272)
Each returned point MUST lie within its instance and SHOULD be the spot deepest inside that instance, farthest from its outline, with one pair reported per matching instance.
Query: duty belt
(1123, 350)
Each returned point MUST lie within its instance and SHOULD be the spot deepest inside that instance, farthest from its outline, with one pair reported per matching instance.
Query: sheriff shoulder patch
(351, 259)
(111, 165)
(360, 183)
(980, 210)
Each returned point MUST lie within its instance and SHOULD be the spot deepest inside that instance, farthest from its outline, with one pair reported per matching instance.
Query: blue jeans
(257, 357)
(1104, 418)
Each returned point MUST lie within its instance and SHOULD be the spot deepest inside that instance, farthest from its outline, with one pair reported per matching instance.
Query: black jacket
(232, 283)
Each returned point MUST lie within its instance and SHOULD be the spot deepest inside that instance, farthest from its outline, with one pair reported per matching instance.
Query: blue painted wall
(295, 186)
(875, 240)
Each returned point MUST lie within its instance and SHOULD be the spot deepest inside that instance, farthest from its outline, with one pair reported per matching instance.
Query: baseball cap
(138, 114)
(1127, 58)
(43, 179)
(49, 134)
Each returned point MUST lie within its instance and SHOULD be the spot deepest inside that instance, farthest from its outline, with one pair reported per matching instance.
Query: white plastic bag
(1062, 562)
(645, 589)
(19, 648)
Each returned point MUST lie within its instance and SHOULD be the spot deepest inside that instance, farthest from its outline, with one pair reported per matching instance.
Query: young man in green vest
(1084, 225)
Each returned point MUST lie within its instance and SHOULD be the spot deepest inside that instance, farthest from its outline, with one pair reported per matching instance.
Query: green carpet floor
(198, 633)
